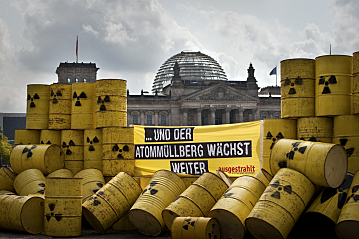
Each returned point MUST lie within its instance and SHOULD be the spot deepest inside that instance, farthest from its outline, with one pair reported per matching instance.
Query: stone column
(240, 114)
(257, 115)
(228, 116)
(156, 118)
(271, 114)
(213, 116)
(184, 118)
(129, 119)
(199, 116)
(142, 120)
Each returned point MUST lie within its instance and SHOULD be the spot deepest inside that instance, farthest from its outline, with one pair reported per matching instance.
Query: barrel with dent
(323, 163)
(46, 158)
(146, 214)
(333, 85)
(60, 106)
(346, 133)
(83, 106)
(195, 227)
(93, 149)
(103, 209)
(237, 202)
(297, 88)
(63, 210)
(280, 205)
(73, 147)
(348, 221)
(197, 200)
(274, 130)
(92, 181)
(315, 129)
(27, 136)
(50, 137)
(37, 110)
(30, 181)
(22, 213)
(7, 177)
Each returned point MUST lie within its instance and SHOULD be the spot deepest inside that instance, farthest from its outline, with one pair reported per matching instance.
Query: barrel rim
(133, 222)
(333, 55)
(299, 58)
(92, 220)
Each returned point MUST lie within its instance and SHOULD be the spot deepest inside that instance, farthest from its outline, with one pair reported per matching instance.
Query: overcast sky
(131, 39)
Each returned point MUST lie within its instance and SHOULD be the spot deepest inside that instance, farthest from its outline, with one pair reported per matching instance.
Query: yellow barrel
(31, 181)
(297, 88)
(323, 213)
(333, 85)
(189, 180)
(346, 133)
(356, 62)
(197, 199)
(73, 147)
(37, 110)
(27, 136)
(111, 87)
(92, 181)
(324, 164)
(111, 103)
(93, 148)
(280, 205)
(111, 119)
(63, 210)
(7, 177)
(103, 209)
(83, 106)
(146, 214)
(196, 227)
(59, 121)
(124, 224)
(315, 129)
(46, 158)
(60, 106)
(274, 130)
(348, 222)
(5, 192)
(24, 214)
(61, 173)
(50, 137)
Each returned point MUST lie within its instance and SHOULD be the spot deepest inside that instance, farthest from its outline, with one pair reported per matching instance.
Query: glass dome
(194, 67)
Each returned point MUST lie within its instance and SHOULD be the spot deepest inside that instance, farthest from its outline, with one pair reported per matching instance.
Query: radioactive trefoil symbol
(323, 81)
(28, 151)
(189, 222)
(64, 145)
(274, 139)
(297, 81)
(353, 195)
(36, 97)
(301, 150)
(151, 189)
(58, 93)
(94, 140)
(124, 149)
(280, 189)
(81, 96)
(349, 151)
(102, 102)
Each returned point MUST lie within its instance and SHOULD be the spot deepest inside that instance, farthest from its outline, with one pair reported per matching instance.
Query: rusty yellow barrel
(346, 133)
(111, 87)
(196, 227)
(333, 85)
(272, 131)
(355, 83)
(118, 150)
(27, 136)
(83, 106)
(92, 181)
(7, 177)
(73, 147)
(63, 210)
(323, 163)
(61, 173)
(103, 209)
(22, 213)
(322, 215)
(237, 202)
(197, 200)
(60, 106)
(50, 137)
(280, 205)
(93, 149)
(146, 214)
(315, 129)
(37, 110)
(348, 222)
(30, 181)
(297, 88)
(46, 158)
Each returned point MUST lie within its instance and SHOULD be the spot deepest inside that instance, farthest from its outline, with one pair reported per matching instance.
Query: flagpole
(77, 49)
(276, 73)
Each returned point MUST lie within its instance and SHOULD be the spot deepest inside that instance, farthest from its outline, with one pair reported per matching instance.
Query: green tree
(5, 147)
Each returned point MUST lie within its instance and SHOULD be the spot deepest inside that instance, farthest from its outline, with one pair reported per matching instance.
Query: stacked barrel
(37, 109)
(60, 106)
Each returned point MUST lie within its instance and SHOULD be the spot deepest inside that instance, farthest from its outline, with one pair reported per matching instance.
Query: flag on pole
(77, 48)
(274, 71)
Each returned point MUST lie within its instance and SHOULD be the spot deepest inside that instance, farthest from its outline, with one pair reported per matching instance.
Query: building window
(135, 119)
(86, 78)
(69, 79)
(264, 117)
(77, 78)
(163, 120)
(149, 119)
(276, 117)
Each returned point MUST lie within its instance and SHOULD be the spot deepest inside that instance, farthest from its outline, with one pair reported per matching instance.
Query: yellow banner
(193, 150)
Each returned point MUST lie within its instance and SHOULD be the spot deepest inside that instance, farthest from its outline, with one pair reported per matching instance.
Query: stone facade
(69, 73)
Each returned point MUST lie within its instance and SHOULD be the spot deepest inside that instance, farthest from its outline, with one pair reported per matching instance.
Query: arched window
(77, 78)
(86, 78)
(69, 79)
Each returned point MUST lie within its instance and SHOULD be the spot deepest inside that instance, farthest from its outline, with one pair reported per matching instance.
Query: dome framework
(194, 67)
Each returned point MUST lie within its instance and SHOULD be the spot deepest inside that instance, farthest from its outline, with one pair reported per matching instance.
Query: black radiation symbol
(32, 104)
(42, 191)
(349, 151)
(189, 222)
(355, 197)
(322, 81)
(124, 149)
(211, 233)
(95, 201)
(102, 102)
(331, 192)
(301, 150)
(94, 140)
(64, 145)
(82, 95)
(312, 139)
(58, 93)
(297, 81)
(28, 151)
(286, 188)
(270, 136)
(151, 189)
(48, 142)
(227, 193)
